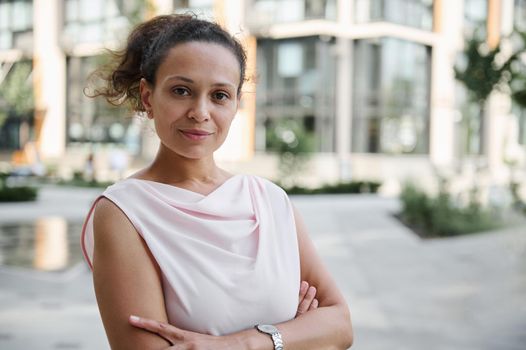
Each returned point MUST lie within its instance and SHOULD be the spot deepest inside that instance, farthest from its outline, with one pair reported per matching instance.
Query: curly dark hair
(147, 47)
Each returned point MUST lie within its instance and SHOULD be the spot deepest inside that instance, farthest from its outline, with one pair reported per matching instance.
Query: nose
(199, 111)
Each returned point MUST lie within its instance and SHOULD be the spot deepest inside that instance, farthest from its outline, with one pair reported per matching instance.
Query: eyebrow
(188, 80)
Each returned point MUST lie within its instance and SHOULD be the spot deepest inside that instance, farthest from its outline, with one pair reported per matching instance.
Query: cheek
(226, 123)
(227, 117)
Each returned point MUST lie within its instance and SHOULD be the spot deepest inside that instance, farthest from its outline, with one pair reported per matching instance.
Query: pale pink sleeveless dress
(229, 260)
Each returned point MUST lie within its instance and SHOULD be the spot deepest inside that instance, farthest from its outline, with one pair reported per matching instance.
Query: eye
(181, 91)
(221, 96)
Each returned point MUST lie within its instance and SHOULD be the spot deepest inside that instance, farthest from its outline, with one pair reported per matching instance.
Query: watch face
(267, 328)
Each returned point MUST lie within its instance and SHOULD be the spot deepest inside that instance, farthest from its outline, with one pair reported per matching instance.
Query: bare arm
(329, 326)
(326, 327)
(126, 278)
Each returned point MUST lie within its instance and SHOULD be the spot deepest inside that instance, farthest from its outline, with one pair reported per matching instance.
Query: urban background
(367, 86)
(402, 124)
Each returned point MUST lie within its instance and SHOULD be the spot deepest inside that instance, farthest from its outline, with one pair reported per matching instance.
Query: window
(98, 20)
(296, 80)
(520, 14)
(414, 13)
(475, 15)
(202, 8)
(520, 114)
(94, 120)
(268, 12)
(391, 97)
(16, 105)
(16, 24)
(469, 129)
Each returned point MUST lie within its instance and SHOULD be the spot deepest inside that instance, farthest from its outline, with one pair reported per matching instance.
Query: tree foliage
(481, 73)
(289, 138)
(518, 73)
(16, 92)
(483, 70)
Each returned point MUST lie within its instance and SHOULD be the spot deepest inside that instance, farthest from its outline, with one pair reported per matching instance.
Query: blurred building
(371, 80)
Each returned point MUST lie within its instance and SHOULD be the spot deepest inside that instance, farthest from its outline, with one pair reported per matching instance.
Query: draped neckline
(177, 188)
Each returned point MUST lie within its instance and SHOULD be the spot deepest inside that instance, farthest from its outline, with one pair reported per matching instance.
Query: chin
(195, 154)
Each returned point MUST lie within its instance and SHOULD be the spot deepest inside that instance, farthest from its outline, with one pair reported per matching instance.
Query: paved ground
(465, 293)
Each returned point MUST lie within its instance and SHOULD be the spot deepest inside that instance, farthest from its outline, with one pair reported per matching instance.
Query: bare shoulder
(105, 209)
(108, 215)
(113, 231)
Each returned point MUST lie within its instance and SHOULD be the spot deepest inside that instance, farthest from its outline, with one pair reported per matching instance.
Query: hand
(179, 338)
(307, 299)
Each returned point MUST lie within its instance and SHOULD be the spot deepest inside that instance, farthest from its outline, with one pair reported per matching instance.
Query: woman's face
(194, 98)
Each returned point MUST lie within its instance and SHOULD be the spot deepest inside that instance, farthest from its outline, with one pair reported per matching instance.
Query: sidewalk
(465, 293)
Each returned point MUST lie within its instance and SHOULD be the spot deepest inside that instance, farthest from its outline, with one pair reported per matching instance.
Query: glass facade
(391, 99)
(520, 114)
(202, 8)
(268, 12)
(520, 24)
(413, 13)
(16, 106)
(520, 14)
(470, 128)
(98, 21)
(12, 133)
(475, 15)
(296, 80)
(94, 120)
(16, 24)
(522, 128)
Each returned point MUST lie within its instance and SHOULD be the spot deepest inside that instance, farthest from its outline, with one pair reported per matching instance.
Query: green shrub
(18, 194)
(416, 207)
(81, 182)
(342, 187)
(15, 194)
(440, 216)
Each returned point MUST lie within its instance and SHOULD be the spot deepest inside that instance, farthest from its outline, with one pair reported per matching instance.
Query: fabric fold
(229, 260)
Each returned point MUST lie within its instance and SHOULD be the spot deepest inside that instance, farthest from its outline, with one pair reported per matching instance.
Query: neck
(169, 167)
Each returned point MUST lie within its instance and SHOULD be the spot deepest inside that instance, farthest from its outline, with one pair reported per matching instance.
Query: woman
(201, 255)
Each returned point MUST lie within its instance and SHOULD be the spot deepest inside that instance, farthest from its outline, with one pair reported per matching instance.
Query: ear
(146, 94)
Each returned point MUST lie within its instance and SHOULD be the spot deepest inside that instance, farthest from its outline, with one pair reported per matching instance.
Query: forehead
(200, 60)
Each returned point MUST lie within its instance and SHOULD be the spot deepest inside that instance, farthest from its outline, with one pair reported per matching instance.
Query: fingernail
(134, 318)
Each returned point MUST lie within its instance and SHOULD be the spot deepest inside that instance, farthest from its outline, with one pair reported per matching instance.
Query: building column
(498, 118)
(49, 77)
(448, 20)
(344, 60)
(240, 143)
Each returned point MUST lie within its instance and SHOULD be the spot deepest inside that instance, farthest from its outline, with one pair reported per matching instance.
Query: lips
(195, 134)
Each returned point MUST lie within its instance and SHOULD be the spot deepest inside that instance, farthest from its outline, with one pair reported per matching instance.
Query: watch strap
(277, 340)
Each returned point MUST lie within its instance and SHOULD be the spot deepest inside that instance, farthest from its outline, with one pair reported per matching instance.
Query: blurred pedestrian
(89, 168)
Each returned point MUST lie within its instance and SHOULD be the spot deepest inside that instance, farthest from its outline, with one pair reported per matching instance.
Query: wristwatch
(274, 333)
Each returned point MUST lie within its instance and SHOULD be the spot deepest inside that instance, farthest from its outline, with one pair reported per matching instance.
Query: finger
(314, 305)
(304, 286)
(167, 331)
(309, 297)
